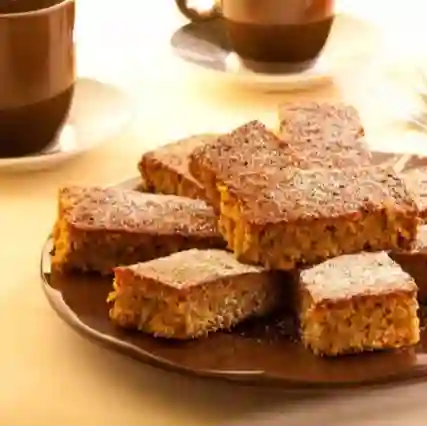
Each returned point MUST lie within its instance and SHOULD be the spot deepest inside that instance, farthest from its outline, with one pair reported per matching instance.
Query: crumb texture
(98, 229)
(357, 303)
(191, 294)
(251, 146)
(324, 135)
(166, 169)
(289, 194)
(320, 214)
(360, 324)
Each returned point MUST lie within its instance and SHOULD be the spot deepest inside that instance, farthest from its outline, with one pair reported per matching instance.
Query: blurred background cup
(269, 30)
(37, 72)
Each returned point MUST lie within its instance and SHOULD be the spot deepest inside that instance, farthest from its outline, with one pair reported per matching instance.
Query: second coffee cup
(271, 30)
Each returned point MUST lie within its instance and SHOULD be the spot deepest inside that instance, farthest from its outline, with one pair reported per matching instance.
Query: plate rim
(249, 378)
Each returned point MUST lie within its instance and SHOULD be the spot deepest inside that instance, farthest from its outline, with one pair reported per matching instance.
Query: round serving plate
(262, 352)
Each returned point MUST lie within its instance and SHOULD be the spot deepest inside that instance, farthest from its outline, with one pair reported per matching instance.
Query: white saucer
(98, 113)
(351, 44)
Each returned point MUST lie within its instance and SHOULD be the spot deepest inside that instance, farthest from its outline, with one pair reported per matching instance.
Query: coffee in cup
(271, 30)
(37, 72)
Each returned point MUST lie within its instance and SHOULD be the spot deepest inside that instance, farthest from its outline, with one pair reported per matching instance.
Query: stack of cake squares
(239, 219)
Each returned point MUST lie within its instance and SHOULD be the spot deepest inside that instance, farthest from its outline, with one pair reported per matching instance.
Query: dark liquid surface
(30, 129)
(19, 6)
(279, 43)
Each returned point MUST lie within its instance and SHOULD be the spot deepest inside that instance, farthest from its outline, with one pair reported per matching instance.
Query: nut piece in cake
(248, 146)
(324, 134)
(98, 229)
(355, 303)
(283, 218)
(165, 169)
(416, 181)
(414, 262)
(192, 293)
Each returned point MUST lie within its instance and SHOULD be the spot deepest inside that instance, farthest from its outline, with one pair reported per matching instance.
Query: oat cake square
(98, 228)
(283, 218)
(191, 293)
(356, 303)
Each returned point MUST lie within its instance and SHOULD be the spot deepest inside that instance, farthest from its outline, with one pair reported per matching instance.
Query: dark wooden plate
(261, 353)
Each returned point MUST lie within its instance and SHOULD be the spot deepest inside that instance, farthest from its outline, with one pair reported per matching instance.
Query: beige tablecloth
(50, 375)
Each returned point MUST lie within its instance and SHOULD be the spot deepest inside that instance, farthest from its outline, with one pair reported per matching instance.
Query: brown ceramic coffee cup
(37, 72)
(271, 30)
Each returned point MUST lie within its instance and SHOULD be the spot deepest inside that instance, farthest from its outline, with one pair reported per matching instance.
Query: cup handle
(195, 16)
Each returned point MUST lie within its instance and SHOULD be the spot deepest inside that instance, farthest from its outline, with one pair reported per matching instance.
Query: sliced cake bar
(100, 228)
(324, 134)
(189, 294)
(283, 218)
(356, 303)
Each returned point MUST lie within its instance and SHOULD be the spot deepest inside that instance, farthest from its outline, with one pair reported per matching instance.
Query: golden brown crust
(166, 169)
(110, 209)
(99, 229)
(318, 213)
(192, 293)
(251, 146)
(355, 275)
(324, 135)
(302, 121)
(294, 195)
(194, 267)
(331, 153)
(357, 303)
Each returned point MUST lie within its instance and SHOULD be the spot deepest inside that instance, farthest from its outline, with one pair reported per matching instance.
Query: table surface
(50, 375)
